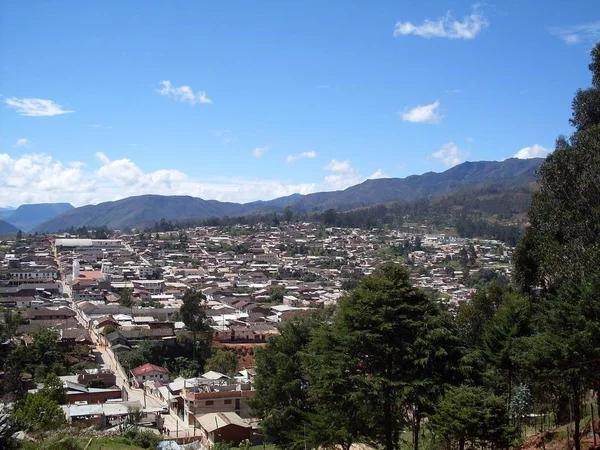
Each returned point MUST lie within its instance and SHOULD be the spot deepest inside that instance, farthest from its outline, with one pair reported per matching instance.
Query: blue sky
(241, 101)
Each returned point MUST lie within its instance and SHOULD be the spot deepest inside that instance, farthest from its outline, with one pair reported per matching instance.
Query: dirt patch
(246, 353)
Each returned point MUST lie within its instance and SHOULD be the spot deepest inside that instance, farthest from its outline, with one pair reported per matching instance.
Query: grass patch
(117, 443)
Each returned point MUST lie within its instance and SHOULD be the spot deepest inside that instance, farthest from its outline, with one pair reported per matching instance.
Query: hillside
(145, 209)
(511, 172)
(26, 217)
(7, 228)
(131, 211)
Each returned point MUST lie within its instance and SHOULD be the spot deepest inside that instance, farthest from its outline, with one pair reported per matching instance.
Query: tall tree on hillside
(398, 349)
(125, 299)
(473, 415)
(565, 352)
(337, 419)
(562, 243)
(193, 315)
(281, 399)
(511, 322)
(223, 361)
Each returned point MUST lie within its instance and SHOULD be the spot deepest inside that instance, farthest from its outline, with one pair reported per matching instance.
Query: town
(113, 300)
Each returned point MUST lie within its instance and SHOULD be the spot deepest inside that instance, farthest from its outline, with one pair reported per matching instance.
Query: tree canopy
(562, 243)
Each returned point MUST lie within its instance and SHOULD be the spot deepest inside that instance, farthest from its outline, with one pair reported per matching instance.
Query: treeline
(391, 360)
(464, 209)
(469, 228)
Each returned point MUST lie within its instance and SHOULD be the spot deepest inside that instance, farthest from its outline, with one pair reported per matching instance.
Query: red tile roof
(146, 368)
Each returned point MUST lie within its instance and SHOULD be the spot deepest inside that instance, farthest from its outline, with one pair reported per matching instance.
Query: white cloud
(22, 142)
(449, 155)
(36, 107)
(183, 93)
(534, 151)
(423, 114)
(445, 27)
(343, 175)
(339, 166)
(259, 151)
(37, 178)
(102, 157)
(377, 174)
(575, 34)
(401, 165)
(309, 154)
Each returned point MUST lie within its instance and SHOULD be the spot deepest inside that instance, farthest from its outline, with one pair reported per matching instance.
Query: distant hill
(509, 173)
(7, 228)
(26, 217)
(145, 209)
(131, 211)
(5, 212)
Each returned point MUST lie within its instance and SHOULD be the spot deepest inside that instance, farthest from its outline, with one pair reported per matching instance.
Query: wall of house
(234, 401)
(93, 397)
(152, 376)
(230, 433)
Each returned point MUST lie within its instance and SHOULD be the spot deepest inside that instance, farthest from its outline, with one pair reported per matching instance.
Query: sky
(247, 100)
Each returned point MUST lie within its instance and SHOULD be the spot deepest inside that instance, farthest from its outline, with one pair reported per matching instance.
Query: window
(209, 402)
(227, 402)
(143, 377)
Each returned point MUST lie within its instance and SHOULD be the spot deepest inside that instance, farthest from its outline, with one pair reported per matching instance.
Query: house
(223, 427)
(149, 372)
(213, 395)
(79, 393)
(133, 336)
(106, 376)
(61, 313)
(75, 336)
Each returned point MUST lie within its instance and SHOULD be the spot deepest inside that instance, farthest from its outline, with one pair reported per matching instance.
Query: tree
(336, 419)
(288, 214)
(472, 414)
(393, 338)
(511, 322)
(473, 316)
(281, 399)
(44, 355)
(125, 299)
(564, 353)
(223, 361)
(38, 412)
(561, 244)
(110, 328)
(12, 321)
(54, 389)
(134, 416)
(276, 294)
(193, 315)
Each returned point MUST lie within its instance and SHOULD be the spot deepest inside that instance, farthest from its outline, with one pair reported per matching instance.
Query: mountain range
(26, 217)
(135, 211)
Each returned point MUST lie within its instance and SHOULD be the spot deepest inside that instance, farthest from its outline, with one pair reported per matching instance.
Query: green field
(117, 443)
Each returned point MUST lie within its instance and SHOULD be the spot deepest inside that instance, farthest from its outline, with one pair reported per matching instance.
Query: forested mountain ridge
(135, 211)
(510, 172)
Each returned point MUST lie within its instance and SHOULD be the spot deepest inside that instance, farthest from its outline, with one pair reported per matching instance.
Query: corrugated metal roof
(213, 421)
